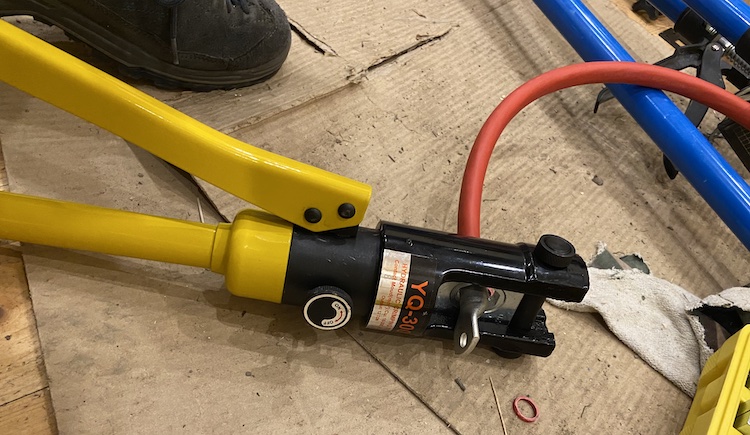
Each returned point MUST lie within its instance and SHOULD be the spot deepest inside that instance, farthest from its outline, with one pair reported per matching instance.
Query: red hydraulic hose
(630, 73)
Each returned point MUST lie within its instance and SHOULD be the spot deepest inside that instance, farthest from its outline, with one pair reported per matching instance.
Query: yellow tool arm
(252, 252)
(282, 186)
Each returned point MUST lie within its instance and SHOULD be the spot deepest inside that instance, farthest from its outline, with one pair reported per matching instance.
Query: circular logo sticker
(327, 311)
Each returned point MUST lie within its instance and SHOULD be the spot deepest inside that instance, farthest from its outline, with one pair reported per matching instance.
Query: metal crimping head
(419, 282)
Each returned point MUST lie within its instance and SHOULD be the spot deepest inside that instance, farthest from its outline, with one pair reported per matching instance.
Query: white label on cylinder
(394, 277)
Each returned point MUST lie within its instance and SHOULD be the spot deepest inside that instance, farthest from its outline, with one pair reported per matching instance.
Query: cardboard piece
(170, 352)
(365, 35)
(592, 383)
(121, 336)
(368, 33)
(109, 296)
(304, 77)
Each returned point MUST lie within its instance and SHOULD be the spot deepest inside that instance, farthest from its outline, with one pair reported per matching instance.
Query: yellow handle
(277, 184)
(77, 226)
(252, 252)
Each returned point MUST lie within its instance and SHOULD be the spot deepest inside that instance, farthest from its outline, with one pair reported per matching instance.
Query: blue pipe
(671, 9)
(716, 181)
(731, 18)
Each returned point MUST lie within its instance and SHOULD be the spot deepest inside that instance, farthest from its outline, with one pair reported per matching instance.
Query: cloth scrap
(664, 324)
(649, 315)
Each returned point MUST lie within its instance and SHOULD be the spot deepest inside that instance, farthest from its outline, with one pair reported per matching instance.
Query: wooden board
(25, 405)
(30, 414)
(19, 345)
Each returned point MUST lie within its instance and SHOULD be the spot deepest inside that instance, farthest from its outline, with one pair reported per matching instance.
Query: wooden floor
(25, 405)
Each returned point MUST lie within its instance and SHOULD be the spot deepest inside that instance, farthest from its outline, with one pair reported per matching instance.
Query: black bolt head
(554, 251)
(347, 211)
(313, 215)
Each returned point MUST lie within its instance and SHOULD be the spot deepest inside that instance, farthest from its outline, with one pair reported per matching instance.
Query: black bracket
(706, 58)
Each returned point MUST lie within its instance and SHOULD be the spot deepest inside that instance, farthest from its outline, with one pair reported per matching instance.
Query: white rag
(652, 317)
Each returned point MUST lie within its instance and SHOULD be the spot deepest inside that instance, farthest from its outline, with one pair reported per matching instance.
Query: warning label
(394, 278)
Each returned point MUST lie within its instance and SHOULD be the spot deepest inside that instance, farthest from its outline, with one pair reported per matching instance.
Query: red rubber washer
(528, 400)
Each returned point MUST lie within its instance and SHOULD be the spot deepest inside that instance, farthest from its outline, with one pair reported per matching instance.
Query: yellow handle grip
(252, 252)
(77, 226)
(280, 185)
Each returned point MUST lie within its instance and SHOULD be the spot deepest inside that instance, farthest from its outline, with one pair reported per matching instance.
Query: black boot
(194, 44)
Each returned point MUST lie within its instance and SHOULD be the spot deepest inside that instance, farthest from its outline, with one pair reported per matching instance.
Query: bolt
(347, 211)
(715, 47)
(313, 215)
(554, 251)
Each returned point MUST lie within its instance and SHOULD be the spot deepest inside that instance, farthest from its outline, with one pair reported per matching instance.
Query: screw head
(347, 211)
(715, 47)
(313, 215)
(554, 251)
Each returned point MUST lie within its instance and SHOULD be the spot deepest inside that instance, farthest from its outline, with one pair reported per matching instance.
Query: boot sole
(135, 62)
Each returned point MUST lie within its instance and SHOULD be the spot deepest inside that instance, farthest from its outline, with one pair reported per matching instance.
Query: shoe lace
(243, 4)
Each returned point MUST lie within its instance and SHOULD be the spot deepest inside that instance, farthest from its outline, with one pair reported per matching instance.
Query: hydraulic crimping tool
(307, 249)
